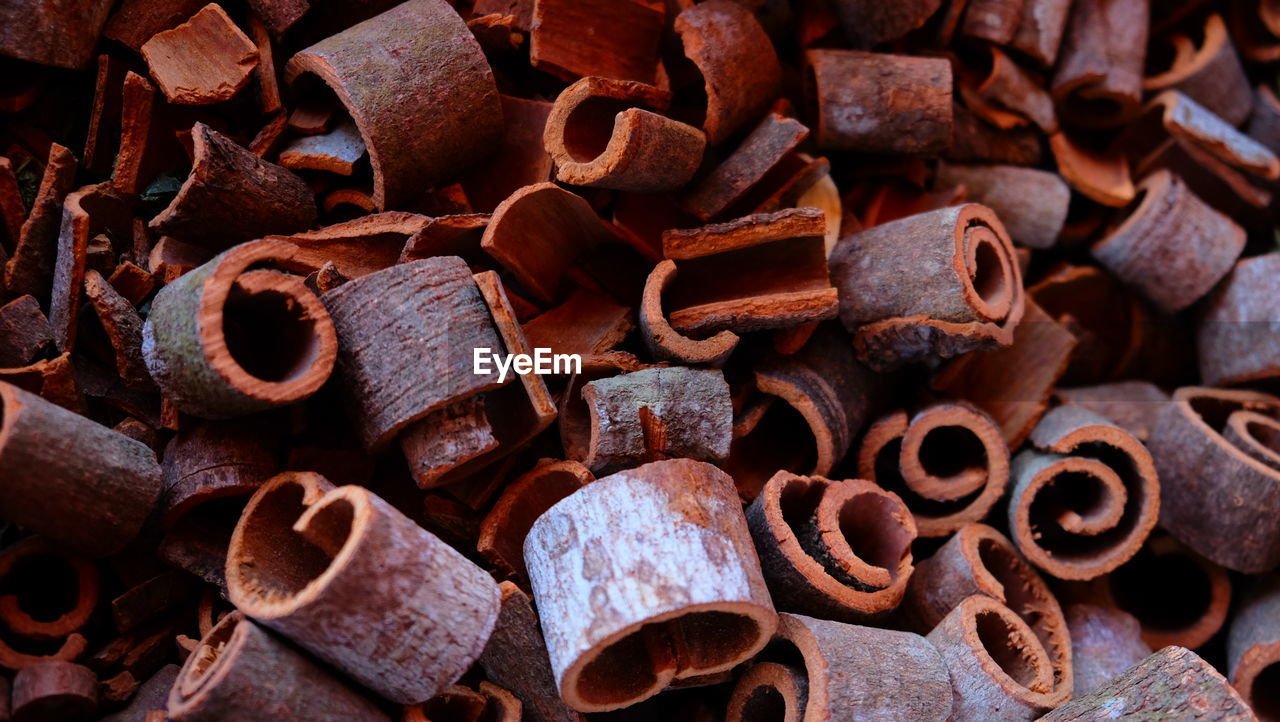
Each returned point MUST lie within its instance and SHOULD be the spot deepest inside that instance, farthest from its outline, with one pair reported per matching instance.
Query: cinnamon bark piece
(760, 157)
(241, 670)
(170, 259)
(62, 34)
(769, 687)
(606, 134)
(880, 103)
(51, 379)
(30, 269)
(233, 196)
(1205, 465)
(1008, 90)
(336, 151)
(1264, 121)
(35, 567)
(587, 324)
(1108, 321)
(700, 606)
(999, 670)
(123, 327)
(1098, 83)
(737, 62)
(137, 100)
(54, 690)
(229, 339)
(353, 581)
(1173, 248)
(981, 560)
(1102, 177)
(13, 213)
(1041, 28)
(1032, 203)
(869, 23)
(838, 549)
(135, 21)
(1104, 643)
(280, 15)
(455, 235)
(665, 342)
(269, 100)
(963, 291)
(209, 460)
(1208, 139)
(948, 461)
(70, 479)
(356, 247)
(1234, 344)
(521, 158)
(23, 331)
(615, 39)
(203, 61)
(516, 658)
(431, 62)
(1173, 682)
(1210, 73)
(149, 699)
(1253, 647)
(487, 703)
(503, 531)
(995, 21)
(1133, 405)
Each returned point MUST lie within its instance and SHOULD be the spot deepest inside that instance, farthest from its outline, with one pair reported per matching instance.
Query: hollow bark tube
(350, 579)
(76, 581)
(70, 479)
(646, 577)
(241, 671)
(1104, 643)
(227, 339)
(1253, 648)
(1099, 79)
(1031, 203)
(420, 90)
(935, 284)
(1210, 74)
(54, 690)
(1234, 344)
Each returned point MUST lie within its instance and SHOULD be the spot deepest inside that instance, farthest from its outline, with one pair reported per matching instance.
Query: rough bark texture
(1102, 177)
(870, 22)
(1211, 74)
(86, 213)
(516, 659)
(995, 21)
(503, 531)
(23, 331)
(1040, 30)
(1132, 405)
(62, 33)
(1104, 643)
(665, 342)
(764, 149)
(205, 60)
(1236, 337)
(54, 690)
(1098, 83)
(615, 39)
(123, 327)
(210, 460)
(1031, 203)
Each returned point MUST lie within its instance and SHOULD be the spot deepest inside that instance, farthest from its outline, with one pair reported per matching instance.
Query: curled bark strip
(995, 21)
(92, 496)
(1008, 89)
(210, 460)
(203, 61)
(1132, 405)
(999, 670)
(426, 104)
(615, 39)
(766, 689)
(335, 151)
(732, 185)
(1175, 116)
(965, 290)
(587, 323)
(503, 531)
(26, 568)
(1173, 248)
(665, 342)
(869, 23)
(62, 34)
(838, 549)
(599, 135)
(1031, 203)
(357, 247)
(1218, 499)
(86, 213)
(1210, 73)
(1104, 643)
(232, 196)
(54, 690)
(665, 549)
(232, 338)
(1174, 681)
(1085, 497)
(347, 577)
(1098, 83)
(879, 103)
(1253, 647)
(948, 461)
(737, 61)
(138, 100)
(981, 560)
(241, 671)
(1103, 177)
(34, 253)
(1040, 29)
(1234, 338)
(123, 327)
(24, 331)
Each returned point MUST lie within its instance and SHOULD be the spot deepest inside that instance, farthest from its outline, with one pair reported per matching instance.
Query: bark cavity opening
(268, 332)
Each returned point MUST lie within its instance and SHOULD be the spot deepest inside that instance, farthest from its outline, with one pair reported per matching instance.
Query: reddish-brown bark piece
(755, 163)
(505, 527)
(604, 133)
(1103, 177)
(356, 247)
(336, 151)
(150, 698)
(981, 560)
(1207, 139)
(71, 580)
(974, 140)
(1132, 405)
(1253, 647)
(665, 342)
(1173, 683)
(210, 460)
(54, 690)
(587, 324)
(1109, 322)
(948, 461)
(269, 100)
(426, 106)
(1032, 203)
(353, 581)
(870, 22)
(995, 21)
(135, 21)
(737, 61)
(241, 671)
(615, 39)
(769, 687)
(457, 235)
(203, 61)
(516, 659)
(1104, 643)
(1040, 29)
(1211, 73)
(701, 606)
(519, 160)
(965, 290)
(170, 258)
(12, 211)
(1098, 83)
(1234, 339)
(1173, 247)
(123, 327)
(137, 100)
(23, 332)
(229, 339)
(71, 479)
(487, 703)
(874, 102)
(280, 15)
(839, 549)
(63, 34)
(1008, 96)
(1205, 467)
(30, 269)
(232, 196)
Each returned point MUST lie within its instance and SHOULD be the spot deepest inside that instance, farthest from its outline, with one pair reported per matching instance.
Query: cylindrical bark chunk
(1253, 648)
(1210, 74)
(1104, 643)
(54, 691)
(1237, 337)
(1099, 78)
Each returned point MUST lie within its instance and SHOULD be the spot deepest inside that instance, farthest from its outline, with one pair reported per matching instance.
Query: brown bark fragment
(503, 531)
(357, 247)
(1234, 341)
(54, 690)
(63, 34)
(1253, 646)
(995, 21)
(1132, 405)
(870, 22)
(135, 21)
(520, 159)
(1031, 203)
(751, 165)
(205, 60)
(1040, 29)
(30, 269)
(1104, 643)
(336, 151)
(1211, 74)
(23, 332)
(615, 39)
(587, 324)
(120, 320)
(516, 658)
(1098, 83)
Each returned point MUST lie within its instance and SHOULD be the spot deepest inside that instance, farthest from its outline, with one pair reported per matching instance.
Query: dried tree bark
(1104, 643)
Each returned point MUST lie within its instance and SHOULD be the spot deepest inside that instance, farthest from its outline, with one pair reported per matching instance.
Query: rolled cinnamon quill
(1098, 83)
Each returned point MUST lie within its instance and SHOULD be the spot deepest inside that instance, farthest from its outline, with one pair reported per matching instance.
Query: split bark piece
(503, 531)
(737, 61)
(587, 324)
(769, 687)
(1173, 248)
(837, 549)
(755, 164)
(203, 61)
(1132, 405)
(1234, 346)
(995, 21)
(998, 669)
(30, 268)
(947, 461)
(336, 151)
(1253, 647)
(356, 247)
(136, 21)
(70, 479)
(516, 658)
(1098, 83)
(1104, 643)
(54, 690)
(209, 460)
(35, 570)
(869, 23)
(1041, 28)
(1031, 203)
(233, 196)
(981, 560)
(615, 39)
(430, 61)
(656, 414)
(241, 671)
(965, 292)
(879, 103)
(23, 331)
(1085, 497)
(1008, 95)
(62, 34)
(605, 134)
(87, 214)
(51, 379)
(353, 581)
(700, 606)
(1173, 682)
(231, 338)
(1211, 73)
(123, 328)
(1102, 177)
(1205, 466)
(137, 101)
(521, 158)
